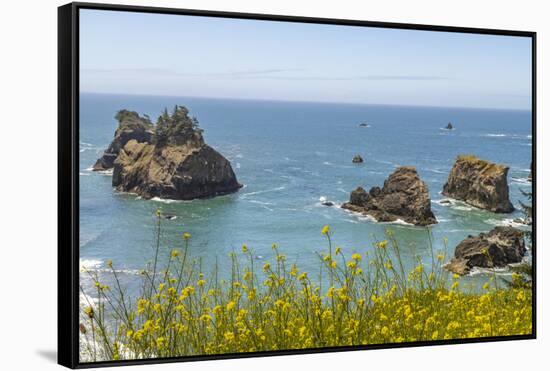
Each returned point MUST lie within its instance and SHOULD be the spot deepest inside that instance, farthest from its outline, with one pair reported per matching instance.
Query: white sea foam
(505, 223)
(83, 174)
(263, 191)
(521, 180)
(260, 202)
(108, 172)
(90, 264)
(513, 136)
(238, 165)
(436, 171)
(498, 271)
(399, 222)
(165, 200)
(454, 204)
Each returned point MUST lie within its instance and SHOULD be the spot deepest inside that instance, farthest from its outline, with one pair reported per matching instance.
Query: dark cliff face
(495, 249)
(175, 163)
(403, 196)
(131, 126)
(479, 183)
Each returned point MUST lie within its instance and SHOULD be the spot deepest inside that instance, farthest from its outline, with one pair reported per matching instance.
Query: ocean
(289, 156)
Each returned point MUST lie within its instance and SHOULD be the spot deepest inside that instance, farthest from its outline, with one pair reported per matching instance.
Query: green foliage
(177, 127)
(522, 276)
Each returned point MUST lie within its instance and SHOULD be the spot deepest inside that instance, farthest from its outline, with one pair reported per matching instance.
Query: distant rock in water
(325, 202)
(357, 159)
(449, 126)
(130, 127)
(171, 159)
(404, 196)
(479, 183)
(530, 176)
(364, 125)
(495, 249)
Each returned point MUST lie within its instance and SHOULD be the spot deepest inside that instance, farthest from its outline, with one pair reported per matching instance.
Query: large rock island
(495, 249)
(174, 163)
(479, 183)
(404, 196)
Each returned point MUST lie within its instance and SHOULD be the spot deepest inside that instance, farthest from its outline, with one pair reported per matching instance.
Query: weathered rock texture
(495, 249)
(175, 164)
(404, 196)
(130, 127)
(479, 183)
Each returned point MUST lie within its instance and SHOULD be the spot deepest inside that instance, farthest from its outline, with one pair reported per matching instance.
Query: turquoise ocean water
(289, 155)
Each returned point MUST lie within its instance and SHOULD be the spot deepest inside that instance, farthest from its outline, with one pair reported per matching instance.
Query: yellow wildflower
(383, 244)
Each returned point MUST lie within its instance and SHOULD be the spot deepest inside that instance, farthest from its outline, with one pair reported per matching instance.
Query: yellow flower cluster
(279, 307)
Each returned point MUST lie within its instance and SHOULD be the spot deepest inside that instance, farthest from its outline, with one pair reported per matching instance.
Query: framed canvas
(242, 185)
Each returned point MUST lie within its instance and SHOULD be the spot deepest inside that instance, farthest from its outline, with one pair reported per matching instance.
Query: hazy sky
(157, 54)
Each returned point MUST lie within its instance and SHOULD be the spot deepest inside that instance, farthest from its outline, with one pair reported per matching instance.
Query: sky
(175, 55)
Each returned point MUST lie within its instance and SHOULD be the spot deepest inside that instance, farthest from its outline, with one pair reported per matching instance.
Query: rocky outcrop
(175, 164)
(131, 126)
(357, 159)
(530, 176)
(449, 126)
(404, 196)
(479, 183)
(495, 249)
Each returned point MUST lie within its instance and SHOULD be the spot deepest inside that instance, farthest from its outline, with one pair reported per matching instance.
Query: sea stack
(495, 249)
(174, 163)
(357, 159)
(449, 126)
(131, 126)
(479, 183)
(404, 196)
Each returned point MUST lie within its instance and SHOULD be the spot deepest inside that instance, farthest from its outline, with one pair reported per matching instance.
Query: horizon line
(309, 101)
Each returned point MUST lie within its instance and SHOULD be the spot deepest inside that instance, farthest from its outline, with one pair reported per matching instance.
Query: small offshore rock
(357, 159)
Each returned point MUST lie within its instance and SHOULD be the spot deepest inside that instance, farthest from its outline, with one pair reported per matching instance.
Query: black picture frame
(68, 177)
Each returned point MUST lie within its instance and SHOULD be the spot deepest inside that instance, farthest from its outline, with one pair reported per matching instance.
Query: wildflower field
(355, 299)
